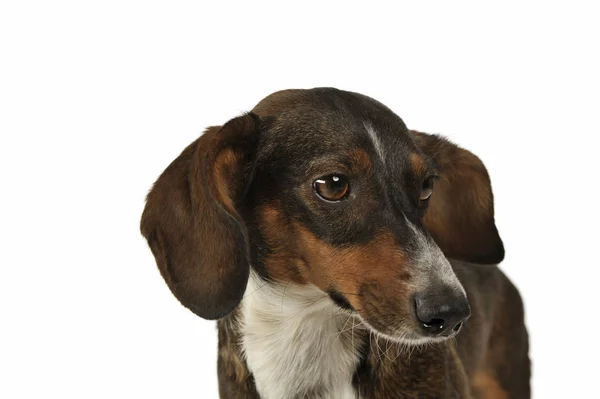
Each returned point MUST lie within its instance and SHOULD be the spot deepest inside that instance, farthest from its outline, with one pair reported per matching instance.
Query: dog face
(327, 188)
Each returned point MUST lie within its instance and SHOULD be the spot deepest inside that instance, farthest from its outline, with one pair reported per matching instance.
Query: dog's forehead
(323, 120)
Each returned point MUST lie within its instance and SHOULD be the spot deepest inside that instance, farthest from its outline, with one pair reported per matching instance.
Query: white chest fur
(297, 342)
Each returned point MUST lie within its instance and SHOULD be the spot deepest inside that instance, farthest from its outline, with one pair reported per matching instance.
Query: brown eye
(427, 188)
(332, 187)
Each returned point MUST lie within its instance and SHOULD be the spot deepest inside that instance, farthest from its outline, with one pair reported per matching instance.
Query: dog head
(326, 188)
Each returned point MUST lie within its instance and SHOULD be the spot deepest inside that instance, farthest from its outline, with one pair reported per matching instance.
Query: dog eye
(427, 188)
(332, 187)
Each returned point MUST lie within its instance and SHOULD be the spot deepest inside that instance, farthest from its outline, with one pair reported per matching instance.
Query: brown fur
(488, 361)
(360, 161)
(494, 342)
(199, 233)
(487, 387)
(466, 185)
(282, 262)
(434, 372)
(235, 381)
(417, 162)
(356, 271)
(187, 205)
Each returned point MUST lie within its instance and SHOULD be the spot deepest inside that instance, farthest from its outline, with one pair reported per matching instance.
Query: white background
(96, 98)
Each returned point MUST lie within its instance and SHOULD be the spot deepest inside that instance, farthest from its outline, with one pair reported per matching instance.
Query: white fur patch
(297, 342)
(375, 139)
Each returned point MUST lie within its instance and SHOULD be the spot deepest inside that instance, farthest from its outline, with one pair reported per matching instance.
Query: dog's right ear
(191, 220)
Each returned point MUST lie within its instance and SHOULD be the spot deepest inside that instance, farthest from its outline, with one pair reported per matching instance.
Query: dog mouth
(410, 334)
(430, 319)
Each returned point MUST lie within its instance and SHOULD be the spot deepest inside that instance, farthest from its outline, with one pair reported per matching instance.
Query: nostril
(433, 323)
(457, 327)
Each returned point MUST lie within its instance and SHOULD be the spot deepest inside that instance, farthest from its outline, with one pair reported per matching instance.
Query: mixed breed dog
(343, 255)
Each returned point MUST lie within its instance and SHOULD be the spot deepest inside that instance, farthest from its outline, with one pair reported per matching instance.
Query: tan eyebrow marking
(417, 163)
(361, 162)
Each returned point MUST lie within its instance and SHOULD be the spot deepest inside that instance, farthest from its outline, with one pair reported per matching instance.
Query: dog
(343, 255)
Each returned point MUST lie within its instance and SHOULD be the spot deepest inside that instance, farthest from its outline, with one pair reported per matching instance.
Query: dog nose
(442, 314)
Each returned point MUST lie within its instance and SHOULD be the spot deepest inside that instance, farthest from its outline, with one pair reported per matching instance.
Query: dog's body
(307, 229)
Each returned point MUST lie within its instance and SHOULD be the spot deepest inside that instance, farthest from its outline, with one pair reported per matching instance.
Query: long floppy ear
(191, 221)
(460, 217)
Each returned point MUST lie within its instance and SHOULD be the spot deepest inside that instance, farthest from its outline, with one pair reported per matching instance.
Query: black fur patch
(339, 299)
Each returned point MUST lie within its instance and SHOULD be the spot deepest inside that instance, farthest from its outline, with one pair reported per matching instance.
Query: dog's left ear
(460, 217)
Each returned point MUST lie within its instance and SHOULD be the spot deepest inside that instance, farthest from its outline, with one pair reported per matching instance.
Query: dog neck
(297, 342)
